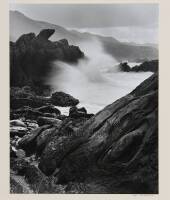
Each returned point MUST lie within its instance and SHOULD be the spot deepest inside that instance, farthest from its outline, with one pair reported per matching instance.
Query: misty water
(95, 81)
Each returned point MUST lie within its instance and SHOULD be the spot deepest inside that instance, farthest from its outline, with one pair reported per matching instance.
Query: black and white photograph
(84, 98)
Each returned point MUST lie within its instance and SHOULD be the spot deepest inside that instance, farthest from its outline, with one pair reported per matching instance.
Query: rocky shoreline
(114, 151)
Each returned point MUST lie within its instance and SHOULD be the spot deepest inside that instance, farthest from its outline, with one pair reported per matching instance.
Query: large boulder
(63, 99)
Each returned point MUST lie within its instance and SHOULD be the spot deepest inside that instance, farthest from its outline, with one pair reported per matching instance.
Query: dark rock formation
(64, 140)
(147, 66)
(79, 112)
(151, 66)
(117, 148)
(114, 151)
(49, 109)
(58, 148)
(25, 111)
(124, 67)
(48, 120)
(24, 101)
(31, 55)
(28, 142)
(46, 34)
(63, 99)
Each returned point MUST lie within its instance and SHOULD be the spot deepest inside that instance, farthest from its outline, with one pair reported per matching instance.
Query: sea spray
(95, 80)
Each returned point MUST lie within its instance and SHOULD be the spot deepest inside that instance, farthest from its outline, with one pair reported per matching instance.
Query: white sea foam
(95, 81)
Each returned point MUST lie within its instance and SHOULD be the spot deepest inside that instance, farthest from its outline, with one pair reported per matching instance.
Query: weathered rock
(49, 109)
(44, 138)
(55, 151)
(17, 123)
(119, 143)
(64, 141)
(28, 142)
(47, 120)
(63, 99)
(79, 112)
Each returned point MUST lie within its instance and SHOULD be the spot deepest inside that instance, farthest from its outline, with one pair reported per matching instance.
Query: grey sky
(96, 16)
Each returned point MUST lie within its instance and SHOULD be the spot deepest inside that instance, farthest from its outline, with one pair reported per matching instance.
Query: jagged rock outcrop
(31, 55)
(147, 66)
(118, 147)
(46, 33)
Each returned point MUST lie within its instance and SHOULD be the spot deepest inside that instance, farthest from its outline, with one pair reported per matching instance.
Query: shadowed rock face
(118, 147)
(31, 55)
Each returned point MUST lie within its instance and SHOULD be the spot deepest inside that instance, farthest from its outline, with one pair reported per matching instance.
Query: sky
(134, 20)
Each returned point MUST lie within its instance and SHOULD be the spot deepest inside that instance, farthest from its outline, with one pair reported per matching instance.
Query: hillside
(21, 24)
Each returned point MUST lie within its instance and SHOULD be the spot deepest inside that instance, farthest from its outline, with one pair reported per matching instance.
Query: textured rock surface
(115, 151)
(63, 99)
(121, 142)
(28, 142)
